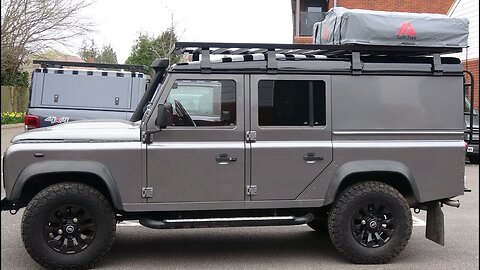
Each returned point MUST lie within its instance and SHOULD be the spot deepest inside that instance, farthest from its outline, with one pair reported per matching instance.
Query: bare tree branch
(31, 26)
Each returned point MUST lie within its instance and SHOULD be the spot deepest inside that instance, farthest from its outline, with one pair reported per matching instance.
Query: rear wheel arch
(40, 175)
(392, 173)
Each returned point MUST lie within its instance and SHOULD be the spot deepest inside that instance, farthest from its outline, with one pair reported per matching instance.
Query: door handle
(310, 158)
(223, 159)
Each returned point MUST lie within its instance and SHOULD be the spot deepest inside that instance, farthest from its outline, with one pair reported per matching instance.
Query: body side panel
(122, 160)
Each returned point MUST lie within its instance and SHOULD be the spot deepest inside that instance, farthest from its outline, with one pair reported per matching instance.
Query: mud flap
(435, 223)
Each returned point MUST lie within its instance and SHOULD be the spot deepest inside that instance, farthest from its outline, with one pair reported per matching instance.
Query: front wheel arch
(37, 183)
(40, 175)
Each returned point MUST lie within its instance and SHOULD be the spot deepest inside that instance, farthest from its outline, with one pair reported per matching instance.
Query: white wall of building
(467, 9)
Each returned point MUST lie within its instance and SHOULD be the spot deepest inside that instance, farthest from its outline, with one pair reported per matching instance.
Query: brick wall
(303, 39)
(472, 66)
(418, 6)
(299, 39)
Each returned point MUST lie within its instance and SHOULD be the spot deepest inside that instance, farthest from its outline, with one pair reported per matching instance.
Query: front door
(200, 156)
(291, 119)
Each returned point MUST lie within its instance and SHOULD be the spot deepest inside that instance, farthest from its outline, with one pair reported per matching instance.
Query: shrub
(12, 117)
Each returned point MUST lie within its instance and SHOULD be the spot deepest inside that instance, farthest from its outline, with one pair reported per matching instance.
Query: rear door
(290, 121)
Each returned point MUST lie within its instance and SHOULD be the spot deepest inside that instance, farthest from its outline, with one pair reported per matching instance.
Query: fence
(14, 99)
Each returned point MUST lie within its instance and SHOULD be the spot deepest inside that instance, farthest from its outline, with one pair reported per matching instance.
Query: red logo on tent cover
(406, 31)
(325, 34)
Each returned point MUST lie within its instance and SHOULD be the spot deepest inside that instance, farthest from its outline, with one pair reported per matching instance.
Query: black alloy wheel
(373, 225)
(70, 229)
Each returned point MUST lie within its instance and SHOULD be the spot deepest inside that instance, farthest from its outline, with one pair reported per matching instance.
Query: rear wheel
(68, 225)
(370, 222)
(473, 158)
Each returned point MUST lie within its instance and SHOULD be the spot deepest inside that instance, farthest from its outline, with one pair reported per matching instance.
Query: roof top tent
(368, 27)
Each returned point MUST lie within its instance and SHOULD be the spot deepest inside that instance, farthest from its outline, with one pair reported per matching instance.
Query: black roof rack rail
(305, 49)
(60, 64)
(352, 51)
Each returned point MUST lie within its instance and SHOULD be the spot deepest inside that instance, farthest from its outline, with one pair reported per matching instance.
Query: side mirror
(161, 120)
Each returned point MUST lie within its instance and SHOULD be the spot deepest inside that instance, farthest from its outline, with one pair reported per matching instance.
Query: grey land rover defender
(344, 138)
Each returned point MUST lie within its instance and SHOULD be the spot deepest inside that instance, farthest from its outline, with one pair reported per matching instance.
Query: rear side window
(291, 103)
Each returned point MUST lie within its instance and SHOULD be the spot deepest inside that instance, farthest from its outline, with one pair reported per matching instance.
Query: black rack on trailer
(351, 51)
(61, 64)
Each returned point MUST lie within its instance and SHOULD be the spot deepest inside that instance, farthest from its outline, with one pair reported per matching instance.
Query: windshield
(467, 107)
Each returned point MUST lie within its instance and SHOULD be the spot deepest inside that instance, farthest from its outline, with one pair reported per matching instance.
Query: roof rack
(61, 64)
(353, 51)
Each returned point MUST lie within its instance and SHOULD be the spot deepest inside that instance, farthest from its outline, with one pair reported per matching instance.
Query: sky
(120, 22)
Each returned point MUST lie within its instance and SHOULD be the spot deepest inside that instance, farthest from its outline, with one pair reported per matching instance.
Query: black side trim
(72, 166)
(215, 223)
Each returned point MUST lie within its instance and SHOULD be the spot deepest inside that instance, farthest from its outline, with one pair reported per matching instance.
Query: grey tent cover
(368, 27)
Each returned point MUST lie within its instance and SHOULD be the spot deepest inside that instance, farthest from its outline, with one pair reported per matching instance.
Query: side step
(225, 222)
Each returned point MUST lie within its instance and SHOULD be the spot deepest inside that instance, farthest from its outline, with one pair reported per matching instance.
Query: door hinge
(252, 190)
(251, 136)
(147, 192)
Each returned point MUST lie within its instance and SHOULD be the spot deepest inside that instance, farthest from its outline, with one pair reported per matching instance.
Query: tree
(31, 26)
(88, 52)
(48, 55)
(141, 54)
(107, 56)
(163, 44)
(147, 48)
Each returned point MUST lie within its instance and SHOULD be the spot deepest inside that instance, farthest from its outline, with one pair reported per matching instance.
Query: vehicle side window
(291, 103)
(202, 103)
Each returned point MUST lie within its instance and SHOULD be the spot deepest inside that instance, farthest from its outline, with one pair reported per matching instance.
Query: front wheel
(68, 225)
(370, 222)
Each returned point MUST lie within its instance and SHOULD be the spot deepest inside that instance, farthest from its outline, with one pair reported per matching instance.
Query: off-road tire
(349, 203)
(45, 202)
